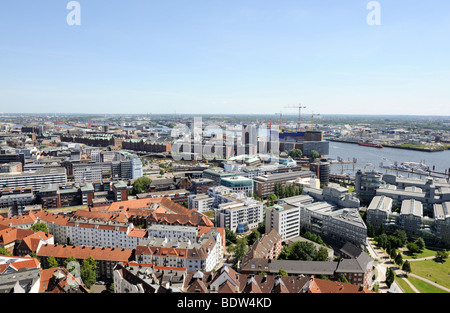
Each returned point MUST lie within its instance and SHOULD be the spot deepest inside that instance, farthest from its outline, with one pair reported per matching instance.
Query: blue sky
(223, 57)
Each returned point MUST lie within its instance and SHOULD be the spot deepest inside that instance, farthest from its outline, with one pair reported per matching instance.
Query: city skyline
(218, 57)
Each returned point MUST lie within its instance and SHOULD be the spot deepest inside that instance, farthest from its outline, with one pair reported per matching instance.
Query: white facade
(172, 232)
(96, 155)
(201, 202)
(97, 235)
(87, 175)
(285, 219)
(136, 168)
(240, 212)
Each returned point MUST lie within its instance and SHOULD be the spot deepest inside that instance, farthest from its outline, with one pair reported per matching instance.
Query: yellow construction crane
(312, 120)
(300, 107)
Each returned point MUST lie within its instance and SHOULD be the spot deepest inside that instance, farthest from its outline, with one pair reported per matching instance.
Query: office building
(34, 179)
(238, 184)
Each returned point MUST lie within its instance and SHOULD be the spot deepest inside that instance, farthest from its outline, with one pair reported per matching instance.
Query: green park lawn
(425, 253)
(437, 272)
(404, 285)
(423, 286)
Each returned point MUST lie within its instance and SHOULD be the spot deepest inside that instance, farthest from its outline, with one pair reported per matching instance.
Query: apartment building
(240, 215)
(379, 210)
(265, 185)
(217, 193)
(411, 213)
(285, 219)
(87, 175)
(269, 246)
(34, 179)
(200, 203)
(173, 232)
(205, 253)
(106, 258)
(201, 185)
(333, 224)
(442, 222)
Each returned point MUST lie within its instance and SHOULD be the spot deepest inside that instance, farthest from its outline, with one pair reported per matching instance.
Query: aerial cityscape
(200, 152)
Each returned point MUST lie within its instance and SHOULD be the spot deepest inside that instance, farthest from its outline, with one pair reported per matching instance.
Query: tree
(253, 237)
(4, 251)
(39, 227)
(51, 262)
(262, 227)
(262, 273)
(302, 250)
(343, 279)
(390, 276)
(420, 243)
(370, 230)
(241, 248)
(441, 256)
(401, 235)
(88, 271)
(230, 236)
(314, 154)
(413, 247)
(161, 172)
(406, 267)
(68, 260)
(295, 153)
(321, 255)
(271, 199)
(398, 259)
(282, 272)
(140, 184)
(382, 240)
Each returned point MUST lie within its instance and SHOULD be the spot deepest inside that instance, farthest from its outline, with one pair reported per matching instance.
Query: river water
(368, 158)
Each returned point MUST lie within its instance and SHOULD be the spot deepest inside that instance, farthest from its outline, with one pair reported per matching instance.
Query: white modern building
(285, 219)
(34, 179)
(201, 202)
(87, 175)
(240, 215)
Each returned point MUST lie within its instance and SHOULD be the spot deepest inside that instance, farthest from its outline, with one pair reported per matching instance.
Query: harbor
(346, 159)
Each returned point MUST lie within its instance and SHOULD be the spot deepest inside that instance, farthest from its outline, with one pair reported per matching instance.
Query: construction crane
(312, 120)
(300, 107)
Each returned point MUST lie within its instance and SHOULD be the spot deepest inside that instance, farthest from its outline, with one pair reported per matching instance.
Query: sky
(225, 57)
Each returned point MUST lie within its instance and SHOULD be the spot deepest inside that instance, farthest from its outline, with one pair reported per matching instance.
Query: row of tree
(303, 251)
(287, 190)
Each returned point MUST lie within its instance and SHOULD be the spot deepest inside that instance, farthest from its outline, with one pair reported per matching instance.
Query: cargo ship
(373, 145)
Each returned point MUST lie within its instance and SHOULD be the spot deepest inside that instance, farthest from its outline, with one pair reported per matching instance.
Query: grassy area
(424, 287)
(425, 253)
(439, 273)
(404, 285)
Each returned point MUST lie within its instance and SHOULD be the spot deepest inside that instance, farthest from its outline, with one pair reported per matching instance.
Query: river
(368, 158)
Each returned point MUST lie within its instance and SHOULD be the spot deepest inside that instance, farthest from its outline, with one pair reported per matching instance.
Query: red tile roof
(83, 252)
(21, 263)
(317, 285)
